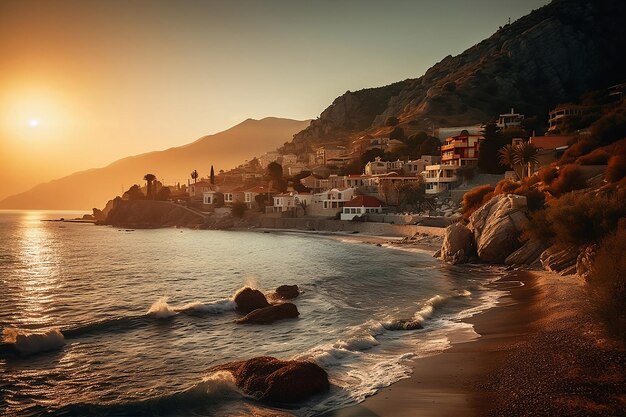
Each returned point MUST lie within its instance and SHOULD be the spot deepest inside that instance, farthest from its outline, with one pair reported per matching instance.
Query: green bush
(607, 281)
(474, 198)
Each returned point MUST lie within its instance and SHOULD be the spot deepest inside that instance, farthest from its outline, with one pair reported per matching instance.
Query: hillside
(550, 56)
(92, 188)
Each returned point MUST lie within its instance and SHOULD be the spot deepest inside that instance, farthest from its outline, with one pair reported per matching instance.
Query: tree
(412, 194)
(397, 133)
(164, 194)
(133, 193)
(194, 176)
(238, 209)
(506, 157)
(274, 171)
(526, 156)
(488, 149)
(430, 146)
(212, 177)
(149, 178)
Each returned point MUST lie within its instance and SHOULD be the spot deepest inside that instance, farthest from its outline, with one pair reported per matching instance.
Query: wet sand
(541, 353)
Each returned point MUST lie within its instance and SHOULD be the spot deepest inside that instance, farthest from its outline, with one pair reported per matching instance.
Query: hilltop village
(398, 177)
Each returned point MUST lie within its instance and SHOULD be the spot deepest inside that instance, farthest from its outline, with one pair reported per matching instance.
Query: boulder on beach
(287, 292)
(584, 262)
(276, 381)
(458, 244)
(248, 300)
(405, 324)
(497, 227)
(271, 314)
(560, 259)
(528, 254)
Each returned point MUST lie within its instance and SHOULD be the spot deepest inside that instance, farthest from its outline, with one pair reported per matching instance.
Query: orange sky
(83, 83)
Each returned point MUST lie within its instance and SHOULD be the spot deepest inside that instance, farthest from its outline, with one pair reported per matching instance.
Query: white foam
(215, 307)
(160, 309)
(31, 342)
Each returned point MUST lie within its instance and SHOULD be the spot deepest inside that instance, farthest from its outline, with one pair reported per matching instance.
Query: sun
(33, 123)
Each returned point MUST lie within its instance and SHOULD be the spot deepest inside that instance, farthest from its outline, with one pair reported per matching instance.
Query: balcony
(450, 157)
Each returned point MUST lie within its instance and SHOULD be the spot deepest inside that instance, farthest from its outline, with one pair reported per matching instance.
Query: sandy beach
(541, 352)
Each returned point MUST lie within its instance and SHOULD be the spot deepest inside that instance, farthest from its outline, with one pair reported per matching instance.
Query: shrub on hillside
(475, 198)
(548, 174)
(506, 187)
(607, 281)
(578, 218)
(616, 169)
(238, 209)
(570, 178)
(580, 148)
(391, 121)
(596, 157)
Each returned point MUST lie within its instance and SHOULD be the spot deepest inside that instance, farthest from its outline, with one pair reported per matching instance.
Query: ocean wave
(28, 343)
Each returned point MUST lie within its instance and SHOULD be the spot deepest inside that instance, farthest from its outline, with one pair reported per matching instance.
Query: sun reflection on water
(38, 275)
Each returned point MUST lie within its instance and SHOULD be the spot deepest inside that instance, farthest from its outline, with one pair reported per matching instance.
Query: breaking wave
(29, 343)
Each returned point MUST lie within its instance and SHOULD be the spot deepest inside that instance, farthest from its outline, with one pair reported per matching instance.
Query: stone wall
(369, 228)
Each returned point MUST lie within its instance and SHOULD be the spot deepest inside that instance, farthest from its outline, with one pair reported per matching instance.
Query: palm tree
(526, 155)
(194, 176)
(149, 179)
(506, 156)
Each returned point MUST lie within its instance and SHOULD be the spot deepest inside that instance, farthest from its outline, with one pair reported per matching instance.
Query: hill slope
(550, 56)
(92, 188)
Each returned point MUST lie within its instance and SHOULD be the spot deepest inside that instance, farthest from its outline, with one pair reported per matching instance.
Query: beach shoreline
(527, 361)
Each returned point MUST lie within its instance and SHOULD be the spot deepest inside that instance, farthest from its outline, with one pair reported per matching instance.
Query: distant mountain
(550, 56)
(94, 187)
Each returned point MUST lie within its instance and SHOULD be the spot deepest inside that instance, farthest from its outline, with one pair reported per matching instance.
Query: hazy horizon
(85, 83)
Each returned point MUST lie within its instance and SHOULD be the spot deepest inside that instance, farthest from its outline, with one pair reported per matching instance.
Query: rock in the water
(497, 227)
(457, 243)
(404, 324)
(558, 259)
(287, 292)
(270, 314)
(276, 381)
(527, 254)
(248, 300)
(584, 262)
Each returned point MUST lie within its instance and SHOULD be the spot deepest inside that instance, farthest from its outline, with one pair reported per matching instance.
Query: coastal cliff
(550, 56)
(149, 214)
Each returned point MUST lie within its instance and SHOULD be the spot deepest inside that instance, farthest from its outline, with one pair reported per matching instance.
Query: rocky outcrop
(248, 300)
(458, 244)
(404, 324)
(584, 262)
(268, 315)
(272, 380)
(287, 292)
(528, 254)
(560, 259)
(497, 227)
(148, 214)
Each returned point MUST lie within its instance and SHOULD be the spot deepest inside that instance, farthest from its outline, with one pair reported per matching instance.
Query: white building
(360, 205)
(418, 166)
(440, 178)
(511, 119)
(290, 201)
(377, 167)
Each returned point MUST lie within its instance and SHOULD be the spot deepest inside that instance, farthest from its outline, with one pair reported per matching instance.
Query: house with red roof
(551, 148)
(360, 205)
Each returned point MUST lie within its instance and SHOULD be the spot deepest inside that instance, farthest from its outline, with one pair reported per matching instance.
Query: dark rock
(287, 292)
(560, 259)
(584, 262)
(457, 243)
(248, 300)
(404, 324)
(276, 381)
(527, 254)
(271, 314)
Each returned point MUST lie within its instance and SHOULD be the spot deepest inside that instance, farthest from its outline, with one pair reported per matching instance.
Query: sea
(103, 321)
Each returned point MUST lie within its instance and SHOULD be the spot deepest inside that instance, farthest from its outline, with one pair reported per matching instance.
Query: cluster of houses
(347, 196)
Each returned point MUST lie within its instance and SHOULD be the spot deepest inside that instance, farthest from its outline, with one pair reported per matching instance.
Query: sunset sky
(83, 83)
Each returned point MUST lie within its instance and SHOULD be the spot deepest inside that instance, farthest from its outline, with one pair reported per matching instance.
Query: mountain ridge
(223, 150)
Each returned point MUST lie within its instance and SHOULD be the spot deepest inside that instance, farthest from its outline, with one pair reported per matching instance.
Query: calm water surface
(96, 285)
